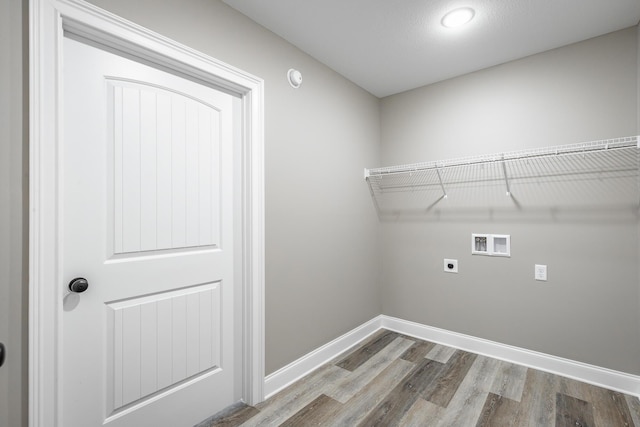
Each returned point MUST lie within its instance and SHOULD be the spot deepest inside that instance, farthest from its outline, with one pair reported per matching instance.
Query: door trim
(49, 20)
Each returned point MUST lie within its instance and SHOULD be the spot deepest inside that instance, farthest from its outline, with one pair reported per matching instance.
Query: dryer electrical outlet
(450, 265)
(540, 272)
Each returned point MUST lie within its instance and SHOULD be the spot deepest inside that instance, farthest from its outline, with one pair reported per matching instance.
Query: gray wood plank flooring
(394, 380)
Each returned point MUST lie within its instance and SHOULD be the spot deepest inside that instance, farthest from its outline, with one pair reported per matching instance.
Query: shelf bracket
(444, 192)
(506, 177)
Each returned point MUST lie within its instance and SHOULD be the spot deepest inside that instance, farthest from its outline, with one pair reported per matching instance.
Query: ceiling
(390, 46)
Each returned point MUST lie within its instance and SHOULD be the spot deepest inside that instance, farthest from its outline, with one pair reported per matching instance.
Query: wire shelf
(602, 173)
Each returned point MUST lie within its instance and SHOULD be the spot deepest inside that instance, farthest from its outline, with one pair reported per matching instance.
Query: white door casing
(50, 19)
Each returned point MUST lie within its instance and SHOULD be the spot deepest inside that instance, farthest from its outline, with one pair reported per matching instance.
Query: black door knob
(78, 285)
(2, 354)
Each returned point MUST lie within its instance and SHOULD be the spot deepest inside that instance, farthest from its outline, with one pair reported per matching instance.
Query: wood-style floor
(395, 380)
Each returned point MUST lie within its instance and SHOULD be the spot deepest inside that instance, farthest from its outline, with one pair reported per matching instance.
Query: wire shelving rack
(602, 173)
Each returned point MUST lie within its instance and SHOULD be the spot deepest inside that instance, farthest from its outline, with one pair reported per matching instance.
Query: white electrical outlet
(541, 272)
(451, 265)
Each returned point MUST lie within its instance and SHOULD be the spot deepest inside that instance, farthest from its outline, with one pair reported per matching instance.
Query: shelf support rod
(444, 192)
(506, 177)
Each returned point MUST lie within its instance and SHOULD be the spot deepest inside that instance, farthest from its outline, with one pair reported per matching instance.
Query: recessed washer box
(491, 244)
(480, 244)
(501, 245)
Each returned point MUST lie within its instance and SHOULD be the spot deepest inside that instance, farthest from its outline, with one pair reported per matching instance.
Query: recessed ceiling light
(458, 17)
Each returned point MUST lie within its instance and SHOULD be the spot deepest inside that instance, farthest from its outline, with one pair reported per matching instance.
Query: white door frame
(49, 19)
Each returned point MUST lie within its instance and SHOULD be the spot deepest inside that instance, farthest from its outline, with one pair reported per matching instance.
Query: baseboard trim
(603, 377)
(297, 369)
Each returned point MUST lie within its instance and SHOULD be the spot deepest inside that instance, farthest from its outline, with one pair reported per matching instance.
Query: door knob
(2, 354)
(78, 285)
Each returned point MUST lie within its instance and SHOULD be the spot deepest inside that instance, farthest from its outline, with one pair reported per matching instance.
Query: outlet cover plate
(451, 262)
(540, 272)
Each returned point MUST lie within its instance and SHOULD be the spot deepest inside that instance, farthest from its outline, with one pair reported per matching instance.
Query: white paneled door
(148, 210)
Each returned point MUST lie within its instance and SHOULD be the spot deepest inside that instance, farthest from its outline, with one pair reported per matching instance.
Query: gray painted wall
(321, 230)
(323, 265)
(13, 287)
(588, 310)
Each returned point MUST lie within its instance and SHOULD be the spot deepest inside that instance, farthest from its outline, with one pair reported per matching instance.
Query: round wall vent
(295, 78)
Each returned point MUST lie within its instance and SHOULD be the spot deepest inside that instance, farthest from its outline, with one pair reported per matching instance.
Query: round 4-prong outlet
(450, 265)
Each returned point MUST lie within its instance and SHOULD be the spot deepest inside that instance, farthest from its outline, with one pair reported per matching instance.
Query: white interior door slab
(147, 160)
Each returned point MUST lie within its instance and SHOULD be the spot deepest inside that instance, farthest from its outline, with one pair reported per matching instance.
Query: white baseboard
(603, 377)
(297, 369)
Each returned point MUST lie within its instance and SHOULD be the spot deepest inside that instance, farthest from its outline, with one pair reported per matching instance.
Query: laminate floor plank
(320, 377)
(315, 413)
(418, 351)
(538, 404)
(634, 407)
(360, 405)
(348, 386)
(232, 416)
(497, 411)
(447, 383)
(363, 353)
(509, 381)
(609, 407)
(392, 409)
(358, 346)
(574, 388)
(466, 405)
(422, 413)
(572, 412)
(440, 353)
(295, 397)
(391, 379)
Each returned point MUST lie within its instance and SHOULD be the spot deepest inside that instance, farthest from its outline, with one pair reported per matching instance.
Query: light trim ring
(458, 17)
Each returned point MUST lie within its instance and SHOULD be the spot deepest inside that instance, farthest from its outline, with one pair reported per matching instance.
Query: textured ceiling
(390, 46)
